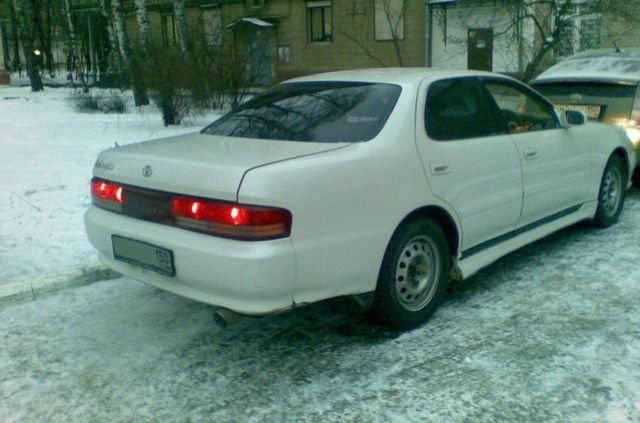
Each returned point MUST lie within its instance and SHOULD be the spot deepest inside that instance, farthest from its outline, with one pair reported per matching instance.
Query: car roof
(401, 76)
(603, 65)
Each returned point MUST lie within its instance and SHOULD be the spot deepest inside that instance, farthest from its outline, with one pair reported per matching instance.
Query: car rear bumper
(249, 277)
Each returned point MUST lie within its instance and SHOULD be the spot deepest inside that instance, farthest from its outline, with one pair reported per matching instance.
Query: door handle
(439, 168)
(530, 154)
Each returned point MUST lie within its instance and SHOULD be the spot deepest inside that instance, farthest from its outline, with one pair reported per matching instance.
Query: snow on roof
(600, 65)
(252, 21)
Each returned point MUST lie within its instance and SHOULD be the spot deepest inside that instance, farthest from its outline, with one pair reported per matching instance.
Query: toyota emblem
(147, 171)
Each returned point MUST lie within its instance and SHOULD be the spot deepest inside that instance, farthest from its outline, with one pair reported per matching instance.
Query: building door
(261, 57)
(480, 49)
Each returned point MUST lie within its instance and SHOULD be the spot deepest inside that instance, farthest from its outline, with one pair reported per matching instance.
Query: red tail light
(231, 220)
(107, 194)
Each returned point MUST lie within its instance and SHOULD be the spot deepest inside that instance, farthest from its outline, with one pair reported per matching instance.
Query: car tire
(413, 275)
(612, 193)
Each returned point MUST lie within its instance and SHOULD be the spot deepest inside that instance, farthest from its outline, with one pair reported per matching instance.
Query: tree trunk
(47, 32)
(16, 65)
(72, 47)
(26, 32)
(116, 64)
(181, 25)
(140, 96)
(4, 46)
(142, 16)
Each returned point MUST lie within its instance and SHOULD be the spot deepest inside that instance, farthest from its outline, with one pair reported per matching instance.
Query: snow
(47, 151)
(548, 333)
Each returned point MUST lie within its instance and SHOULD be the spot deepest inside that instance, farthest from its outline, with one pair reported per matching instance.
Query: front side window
(313, 112)
(521, 110)
(319, 21)
(459, 109)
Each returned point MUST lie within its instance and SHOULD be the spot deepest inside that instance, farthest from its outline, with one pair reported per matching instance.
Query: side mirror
(575, 117)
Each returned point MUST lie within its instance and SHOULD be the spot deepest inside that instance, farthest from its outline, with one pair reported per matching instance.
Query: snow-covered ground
(47, 151)
(548, 333)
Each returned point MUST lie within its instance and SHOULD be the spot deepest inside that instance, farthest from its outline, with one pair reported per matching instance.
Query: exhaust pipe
(224, 317)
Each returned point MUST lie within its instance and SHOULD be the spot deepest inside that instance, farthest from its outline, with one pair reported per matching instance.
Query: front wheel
(612, 192)
(413, 276)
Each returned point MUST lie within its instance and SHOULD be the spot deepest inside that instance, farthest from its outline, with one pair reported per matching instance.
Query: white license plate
(591, 110)
(143, 254)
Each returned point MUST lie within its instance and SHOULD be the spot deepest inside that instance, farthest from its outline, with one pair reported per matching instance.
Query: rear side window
(312, 111)
(459, 109)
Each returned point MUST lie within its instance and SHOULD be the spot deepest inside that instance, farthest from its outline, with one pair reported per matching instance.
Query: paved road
(549, 333)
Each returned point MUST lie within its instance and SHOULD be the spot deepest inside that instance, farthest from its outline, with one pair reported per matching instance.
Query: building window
(168, 30)
(589, 34)
(319, 21)
(284, 55)
(389, 19)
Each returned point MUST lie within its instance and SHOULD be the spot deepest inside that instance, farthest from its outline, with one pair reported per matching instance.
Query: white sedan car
(383, 181)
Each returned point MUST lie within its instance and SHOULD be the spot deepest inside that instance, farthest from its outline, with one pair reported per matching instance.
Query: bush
(90, 103)
(113, 103)
(84, 103)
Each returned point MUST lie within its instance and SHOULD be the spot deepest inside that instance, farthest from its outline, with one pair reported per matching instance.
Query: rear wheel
(612, 192)
(413, 275)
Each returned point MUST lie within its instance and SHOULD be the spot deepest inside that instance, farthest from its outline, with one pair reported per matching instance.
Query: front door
(480, 49)
(555, 164)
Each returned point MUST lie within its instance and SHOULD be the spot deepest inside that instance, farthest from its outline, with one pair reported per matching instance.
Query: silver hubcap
(611, 190)
(417, 273)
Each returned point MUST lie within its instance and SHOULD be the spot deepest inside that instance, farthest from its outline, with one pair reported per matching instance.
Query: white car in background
(384, 181)
(604, 84)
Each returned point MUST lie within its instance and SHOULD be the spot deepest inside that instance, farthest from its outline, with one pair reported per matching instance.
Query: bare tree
(16, 65)
(73, 59)
(389, 18)
(181, 25)
(25, 14)
(142, 17)
(394, 14)
(139, 91)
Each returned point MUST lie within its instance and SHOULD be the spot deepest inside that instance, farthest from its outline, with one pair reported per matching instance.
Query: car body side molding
(510, 235)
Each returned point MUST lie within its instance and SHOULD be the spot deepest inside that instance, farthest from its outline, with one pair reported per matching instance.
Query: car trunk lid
(197, 164)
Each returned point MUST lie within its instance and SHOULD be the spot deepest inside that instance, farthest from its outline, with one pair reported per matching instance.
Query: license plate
(591, 110)
(143, 254)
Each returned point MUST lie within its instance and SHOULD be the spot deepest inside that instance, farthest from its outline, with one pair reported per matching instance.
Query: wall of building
(353, 44)
(451, 25)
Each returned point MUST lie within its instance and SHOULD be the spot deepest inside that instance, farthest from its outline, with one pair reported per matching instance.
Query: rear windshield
(312, 111)
(606, 102)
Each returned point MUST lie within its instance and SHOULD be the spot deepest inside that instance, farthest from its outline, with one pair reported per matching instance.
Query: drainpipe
(430, 35)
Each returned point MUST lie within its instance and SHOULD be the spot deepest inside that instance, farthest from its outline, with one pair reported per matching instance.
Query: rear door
(470, 160)
(555, 162)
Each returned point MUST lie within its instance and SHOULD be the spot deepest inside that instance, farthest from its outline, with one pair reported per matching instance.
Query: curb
(22, 292)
